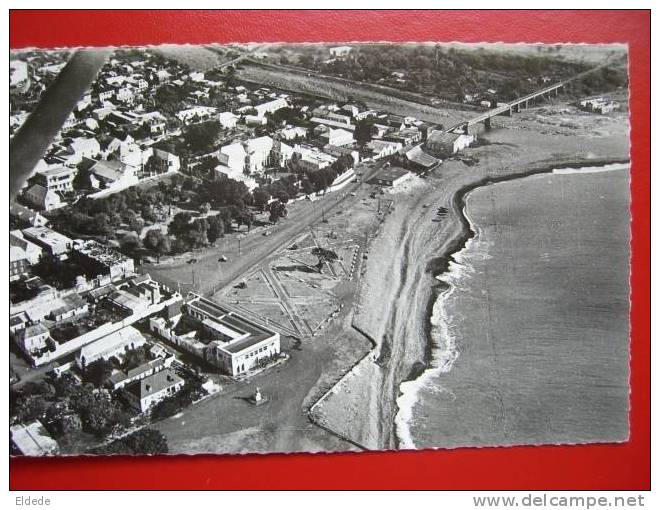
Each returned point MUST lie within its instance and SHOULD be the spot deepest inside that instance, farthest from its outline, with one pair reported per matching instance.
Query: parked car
(222, 258)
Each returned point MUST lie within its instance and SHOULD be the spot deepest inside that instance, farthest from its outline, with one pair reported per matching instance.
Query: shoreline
(440, 265)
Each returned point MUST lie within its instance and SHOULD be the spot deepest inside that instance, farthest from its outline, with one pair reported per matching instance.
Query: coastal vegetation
(449, 72)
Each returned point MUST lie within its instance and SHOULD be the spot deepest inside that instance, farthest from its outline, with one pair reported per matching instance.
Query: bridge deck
(501, 109)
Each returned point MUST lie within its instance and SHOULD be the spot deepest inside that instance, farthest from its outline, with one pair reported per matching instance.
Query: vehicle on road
(222, 258)
(266, 233)
(192, 261)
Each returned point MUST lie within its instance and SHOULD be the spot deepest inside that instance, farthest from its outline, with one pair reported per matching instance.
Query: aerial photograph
(272, 248)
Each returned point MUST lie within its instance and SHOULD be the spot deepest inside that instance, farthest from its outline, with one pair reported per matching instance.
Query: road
(210, 275)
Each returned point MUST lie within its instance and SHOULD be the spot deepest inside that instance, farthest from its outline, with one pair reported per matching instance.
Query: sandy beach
(399, 286)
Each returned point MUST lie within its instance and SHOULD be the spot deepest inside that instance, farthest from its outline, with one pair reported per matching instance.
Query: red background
(615, 466)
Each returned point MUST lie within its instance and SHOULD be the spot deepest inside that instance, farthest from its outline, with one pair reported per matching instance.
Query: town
(186, 229)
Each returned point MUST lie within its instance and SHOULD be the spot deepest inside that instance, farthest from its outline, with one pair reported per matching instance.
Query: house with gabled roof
(145, 393)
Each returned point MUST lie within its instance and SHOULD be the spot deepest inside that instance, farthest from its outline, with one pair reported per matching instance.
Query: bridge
(517, 105)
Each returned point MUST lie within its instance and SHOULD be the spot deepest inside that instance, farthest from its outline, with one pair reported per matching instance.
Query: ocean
(531, 335)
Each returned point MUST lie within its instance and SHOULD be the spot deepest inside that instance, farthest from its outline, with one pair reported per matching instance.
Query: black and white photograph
(276, 248)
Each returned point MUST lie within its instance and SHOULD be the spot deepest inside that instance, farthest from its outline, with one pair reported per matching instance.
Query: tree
(216, 228)
(101, 224)
(147, 442)
(98, 371)
(143, 441)
(277, 210)
(157, 242)
(180, 224)
(31, 408)
(364, 131)
(324, 255)
(130, 243)
(343, 163)
(260, 197)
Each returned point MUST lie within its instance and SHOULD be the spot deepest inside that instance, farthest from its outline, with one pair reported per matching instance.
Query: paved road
(211, 275)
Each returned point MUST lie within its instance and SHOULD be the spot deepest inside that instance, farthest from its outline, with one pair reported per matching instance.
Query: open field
(198, 58)
(342, 90)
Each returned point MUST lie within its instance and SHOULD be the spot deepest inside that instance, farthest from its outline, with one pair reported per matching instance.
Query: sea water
(530, 335)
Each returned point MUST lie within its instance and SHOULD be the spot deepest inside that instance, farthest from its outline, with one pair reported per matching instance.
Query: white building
(382, 149)
(258, 153)
(255, 120)
(233, 156)
(32, 440)
(32, 252)
(42, 198)
(292, 133)
(442, 143)
(132, 155)
(281, 153)
(270, 106)
(337, 137)
(113, 344)
(311, 159)
(340, 51)
(195, 114)
(232, 342)
(56, 178)
(227, 120)
(52, 242)
(84, 147)
(145, 393)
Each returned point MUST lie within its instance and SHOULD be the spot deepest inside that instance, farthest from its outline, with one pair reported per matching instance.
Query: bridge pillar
(487, 123)
(527, 104)
(509, 112)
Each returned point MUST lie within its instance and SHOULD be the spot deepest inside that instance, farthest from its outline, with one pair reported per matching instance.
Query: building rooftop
(25, 213)
(45, 235)
(101, 253)
(16, 254)
(33, 439)
(378, 145)
(122, 375)
(125, 336)
(233, 330)
(418, 156)
(72, 302)
(109, 170)
(153, 383)
(437, 136)
(57, 170)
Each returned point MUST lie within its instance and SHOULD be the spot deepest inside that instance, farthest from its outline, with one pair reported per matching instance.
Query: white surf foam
(444, 352)
(592, 170)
